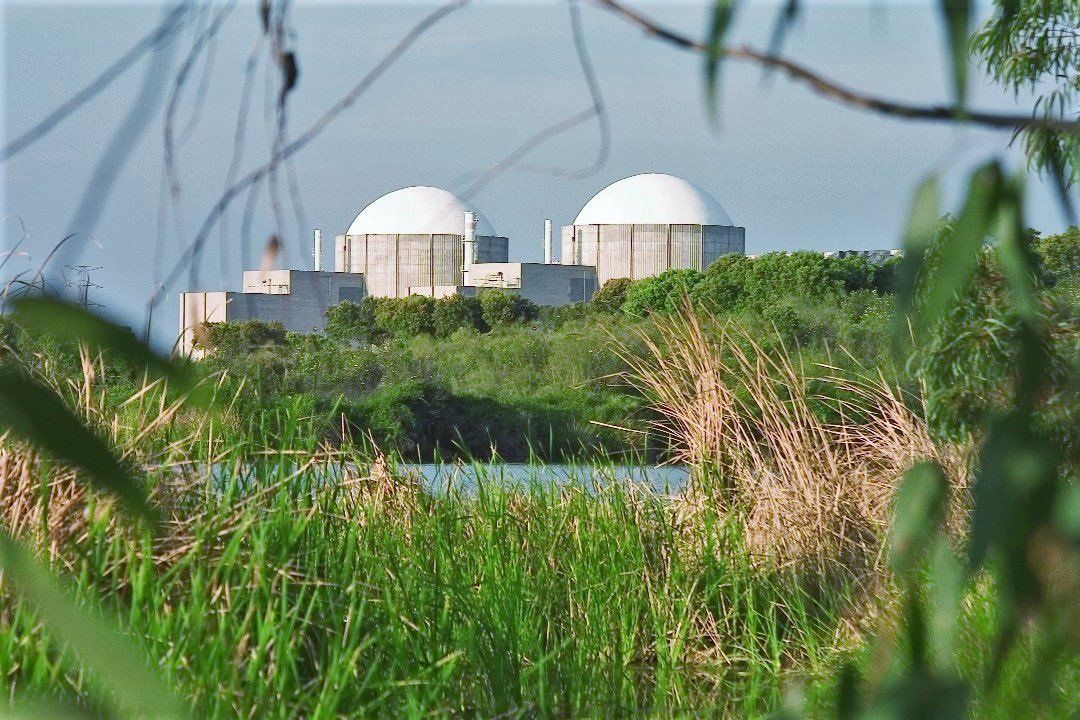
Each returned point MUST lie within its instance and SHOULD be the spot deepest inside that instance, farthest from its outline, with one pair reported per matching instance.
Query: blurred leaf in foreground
(115, 662)
(37, 415)
(71, 322)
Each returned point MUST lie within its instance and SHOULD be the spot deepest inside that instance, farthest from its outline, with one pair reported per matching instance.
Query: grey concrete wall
(644, 250)
(394, 264)
(303, 309)
(557, 284)
(543, 284)
(444, 291)
(267, 282)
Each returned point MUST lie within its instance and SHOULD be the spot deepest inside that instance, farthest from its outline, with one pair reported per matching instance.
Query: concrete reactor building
(415, 240)
(645, 224)
(427, 241)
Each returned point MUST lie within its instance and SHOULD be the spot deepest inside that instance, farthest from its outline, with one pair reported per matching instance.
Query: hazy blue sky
(796, 170)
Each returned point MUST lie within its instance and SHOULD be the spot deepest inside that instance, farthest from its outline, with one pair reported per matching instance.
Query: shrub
(500, 307)
(1061, 253)
(456, 312)
(611, 296)
(352, 323)
(661, 294)
(885, 275)
(405, 317)
(240, 337)
(723, 288)
(555, 317)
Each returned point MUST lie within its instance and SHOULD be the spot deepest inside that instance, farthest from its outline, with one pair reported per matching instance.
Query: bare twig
(193, 251)
(597, 110)
(202, 41)
(102, 81)
(835, 91)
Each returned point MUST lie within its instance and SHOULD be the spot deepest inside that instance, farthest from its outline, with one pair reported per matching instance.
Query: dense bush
(737, 282)
(499, 307)
(1060, 253)
(352, 323)
(404, 317)
(611, 296)
(375, 320)
(234, 337)
(966, 362)
(456, 312)
(723, 289)
(664, 293)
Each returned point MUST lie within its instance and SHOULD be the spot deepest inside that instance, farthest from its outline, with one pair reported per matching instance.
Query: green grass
(312, 602)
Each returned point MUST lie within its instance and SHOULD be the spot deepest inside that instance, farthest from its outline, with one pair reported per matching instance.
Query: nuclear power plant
(427, 241)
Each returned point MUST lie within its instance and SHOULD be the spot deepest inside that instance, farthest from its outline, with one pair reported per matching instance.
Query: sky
(797, 170)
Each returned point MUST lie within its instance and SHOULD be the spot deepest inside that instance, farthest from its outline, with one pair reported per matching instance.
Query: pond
(437, 477)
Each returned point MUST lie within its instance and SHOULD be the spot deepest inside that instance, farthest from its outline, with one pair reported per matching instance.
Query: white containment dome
(647, 224)
(413, 240)
(653, 198)
(417, 210)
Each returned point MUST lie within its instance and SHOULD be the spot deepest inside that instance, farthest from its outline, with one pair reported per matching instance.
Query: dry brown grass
(809, 493)
(51, 509)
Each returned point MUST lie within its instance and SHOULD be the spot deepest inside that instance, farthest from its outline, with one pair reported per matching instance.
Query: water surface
(438, 477)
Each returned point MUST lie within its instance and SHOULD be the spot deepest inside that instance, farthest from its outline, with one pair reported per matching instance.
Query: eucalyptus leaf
(920, 508)
(960, 256)
(67, 321)
(37, 415)
(956, 15)
(723, 12)
(785, 19)
(115, 662)
(922, 221)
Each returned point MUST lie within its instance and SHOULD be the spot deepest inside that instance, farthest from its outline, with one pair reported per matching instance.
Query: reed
(808, 489)
(292, 579)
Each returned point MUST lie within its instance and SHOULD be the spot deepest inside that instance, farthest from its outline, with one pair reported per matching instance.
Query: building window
(350, 294)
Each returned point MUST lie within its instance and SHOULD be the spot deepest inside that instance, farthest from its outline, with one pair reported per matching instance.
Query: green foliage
(611, 296)
(236, 337)
(1020, 477)
(499, 307)
(663, 294)
(404, 317)
(1060, 253)
(885, 275)
(1031, 46)
(456, 312)
(737, 282)
(352, 323)
(725, 284)
(375, 320)
(804, 274)
(967, 360)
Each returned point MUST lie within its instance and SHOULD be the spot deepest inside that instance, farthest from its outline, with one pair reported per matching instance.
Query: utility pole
(81, 284)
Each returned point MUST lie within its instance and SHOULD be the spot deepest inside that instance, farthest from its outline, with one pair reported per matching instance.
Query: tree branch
(835, 91)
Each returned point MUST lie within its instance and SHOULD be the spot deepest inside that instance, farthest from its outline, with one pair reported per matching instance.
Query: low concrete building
(543, 284)
(298, 299)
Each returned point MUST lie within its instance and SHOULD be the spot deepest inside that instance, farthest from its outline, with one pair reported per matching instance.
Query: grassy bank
(281, 596)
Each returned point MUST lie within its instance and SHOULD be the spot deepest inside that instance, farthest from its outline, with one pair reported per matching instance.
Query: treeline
(376, 320)
(740, 282)
(476, 375)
